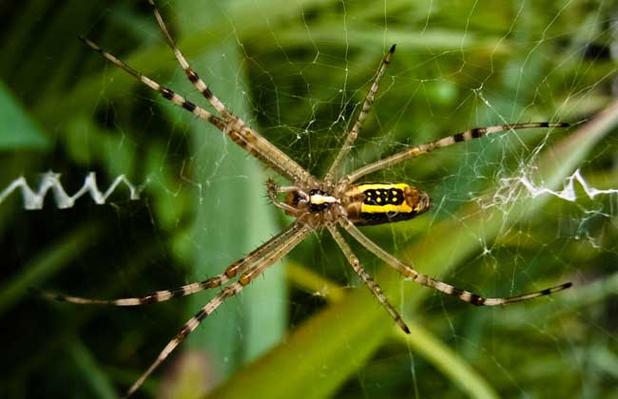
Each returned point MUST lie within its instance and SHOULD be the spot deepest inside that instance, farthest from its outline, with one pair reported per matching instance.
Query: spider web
(512, 213)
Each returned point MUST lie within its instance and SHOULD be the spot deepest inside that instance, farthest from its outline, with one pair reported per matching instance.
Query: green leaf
(18, 131)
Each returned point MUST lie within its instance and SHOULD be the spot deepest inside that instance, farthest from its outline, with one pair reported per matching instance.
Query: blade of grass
(227, 226)
(448, 362)
(99, 382)
(422, 341)
(17, 130)
(47, 263)
(371, 37)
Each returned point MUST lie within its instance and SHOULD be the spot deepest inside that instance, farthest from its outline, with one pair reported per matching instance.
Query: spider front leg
(229, 124)
(193, 77)
(234, 126)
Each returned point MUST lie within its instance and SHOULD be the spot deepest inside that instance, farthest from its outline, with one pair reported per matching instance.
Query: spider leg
(189, 289)
(167, 93)
(353, 133)
(284, 207)
(298, 233)
(367, 279)
(273, 190)
(421, 149)
(265, 150)
(410, 272)
(193, 77)
(247, 138)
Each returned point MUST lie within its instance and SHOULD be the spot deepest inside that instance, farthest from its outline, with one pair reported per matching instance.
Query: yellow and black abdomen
(377, 203)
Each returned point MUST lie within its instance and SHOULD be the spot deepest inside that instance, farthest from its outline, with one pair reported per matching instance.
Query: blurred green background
(297, 71)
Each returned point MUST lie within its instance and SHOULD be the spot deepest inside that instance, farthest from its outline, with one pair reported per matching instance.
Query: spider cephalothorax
(314, 205)
(336, 203)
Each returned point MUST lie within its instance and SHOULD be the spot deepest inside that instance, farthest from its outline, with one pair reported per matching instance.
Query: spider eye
(300, 199)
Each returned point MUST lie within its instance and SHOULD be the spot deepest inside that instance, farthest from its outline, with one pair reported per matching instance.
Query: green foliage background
(297, 71)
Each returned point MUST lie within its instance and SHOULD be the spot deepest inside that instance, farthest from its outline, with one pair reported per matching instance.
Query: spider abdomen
(377, 203)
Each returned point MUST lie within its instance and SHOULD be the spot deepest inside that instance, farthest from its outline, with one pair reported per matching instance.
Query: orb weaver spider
(334, 202)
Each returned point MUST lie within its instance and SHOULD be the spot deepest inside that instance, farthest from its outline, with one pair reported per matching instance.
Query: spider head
(297, 199)
(300, 201)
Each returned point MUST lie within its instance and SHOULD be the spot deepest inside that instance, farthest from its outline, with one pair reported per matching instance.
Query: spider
(333, 203)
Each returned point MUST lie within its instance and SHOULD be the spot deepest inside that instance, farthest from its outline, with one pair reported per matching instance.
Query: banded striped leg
(415, 151)
(247, 138)
(353, 133)
(167, 93)
(367, 279)
(193, 77)
(277, 251)
(189, 289)
(410, 272)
